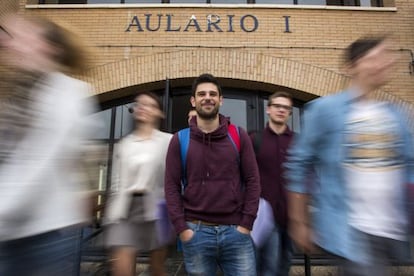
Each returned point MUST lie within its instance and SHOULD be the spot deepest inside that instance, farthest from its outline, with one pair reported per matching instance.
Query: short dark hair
(282, 94)
(361, 47)
(153, 96)
(205, 78)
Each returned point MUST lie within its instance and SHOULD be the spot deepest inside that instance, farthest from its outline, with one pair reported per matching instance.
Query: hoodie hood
(214, 192)
(217, 134)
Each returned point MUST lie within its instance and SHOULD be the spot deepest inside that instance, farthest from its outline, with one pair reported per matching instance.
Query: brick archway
(230, 64)
(236, 64)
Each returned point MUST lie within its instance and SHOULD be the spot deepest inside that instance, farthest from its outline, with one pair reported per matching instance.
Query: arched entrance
(247, 80)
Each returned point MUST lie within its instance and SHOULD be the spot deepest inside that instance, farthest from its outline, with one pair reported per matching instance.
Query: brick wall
(310, 53)
(7, 6)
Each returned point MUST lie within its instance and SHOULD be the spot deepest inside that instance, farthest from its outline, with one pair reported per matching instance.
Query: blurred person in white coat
(42, 130)
(133, 210)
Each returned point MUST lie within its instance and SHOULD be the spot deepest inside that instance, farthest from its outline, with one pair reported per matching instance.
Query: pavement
(175, 267)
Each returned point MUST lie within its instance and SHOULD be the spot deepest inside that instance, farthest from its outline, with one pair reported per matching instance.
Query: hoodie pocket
(213, 197)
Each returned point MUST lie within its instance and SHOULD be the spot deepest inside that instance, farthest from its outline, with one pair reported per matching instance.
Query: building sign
(211, 23)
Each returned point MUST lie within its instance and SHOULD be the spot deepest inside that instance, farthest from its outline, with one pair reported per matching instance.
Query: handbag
(164, 227)
(263, 224)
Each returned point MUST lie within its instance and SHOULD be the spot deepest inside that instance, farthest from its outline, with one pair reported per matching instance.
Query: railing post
(307, 265)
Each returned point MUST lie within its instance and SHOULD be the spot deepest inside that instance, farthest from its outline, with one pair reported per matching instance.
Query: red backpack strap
(233, 133)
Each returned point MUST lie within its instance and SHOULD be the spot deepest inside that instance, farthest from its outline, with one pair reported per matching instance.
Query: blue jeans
(274, 257)
(223, 246)
(52, 253)
(379, 253)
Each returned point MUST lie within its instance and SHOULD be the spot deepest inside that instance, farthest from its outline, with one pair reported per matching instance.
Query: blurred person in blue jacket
(359, 152)
(42, 130)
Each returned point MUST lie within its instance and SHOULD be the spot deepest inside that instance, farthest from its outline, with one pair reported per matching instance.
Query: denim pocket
(237, 231)
(193, 227)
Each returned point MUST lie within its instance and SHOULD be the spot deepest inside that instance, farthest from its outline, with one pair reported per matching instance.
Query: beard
(207, 115)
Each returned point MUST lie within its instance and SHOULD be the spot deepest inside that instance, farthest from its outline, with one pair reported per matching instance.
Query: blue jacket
(317, 154)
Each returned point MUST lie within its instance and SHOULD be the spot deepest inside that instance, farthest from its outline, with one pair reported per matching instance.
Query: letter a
(134, 22)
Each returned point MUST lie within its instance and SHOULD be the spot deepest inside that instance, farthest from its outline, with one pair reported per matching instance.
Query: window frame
(345, 3)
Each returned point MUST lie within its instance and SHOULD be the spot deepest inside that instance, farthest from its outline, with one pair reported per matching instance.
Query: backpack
(184, 139)
(264, 222)
(257, 141)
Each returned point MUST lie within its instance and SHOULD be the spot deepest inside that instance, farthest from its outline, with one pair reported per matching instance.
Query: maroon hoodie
(271, 155)
(213, 193)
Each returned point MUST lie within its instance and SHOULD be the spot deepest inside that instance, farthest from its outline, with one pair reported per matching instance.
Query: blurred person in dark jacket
(42, 130)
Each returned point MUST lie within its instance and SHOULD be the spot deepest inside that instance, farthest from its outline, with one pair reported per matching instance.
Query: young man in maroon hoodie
(215, 212)
(271, 145)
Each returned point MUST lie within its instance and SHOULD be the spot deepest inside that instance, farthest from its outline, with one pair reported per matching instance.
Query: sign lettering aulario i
(211, 23)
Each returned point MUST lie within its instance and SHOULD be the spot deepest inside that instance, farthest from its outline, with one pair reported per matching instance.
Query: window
(187, 1)
(228, 1)
(232, 107)
(312, 2)
(371, 3)
(102, 1)
(362, 3)
(124, 121)
(64, 1)
(274, 2)
(102, 120)
(142, 1)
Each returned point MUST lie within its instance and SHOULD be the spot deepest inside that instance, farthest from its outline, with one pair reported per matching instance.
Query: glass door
(241, 106)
